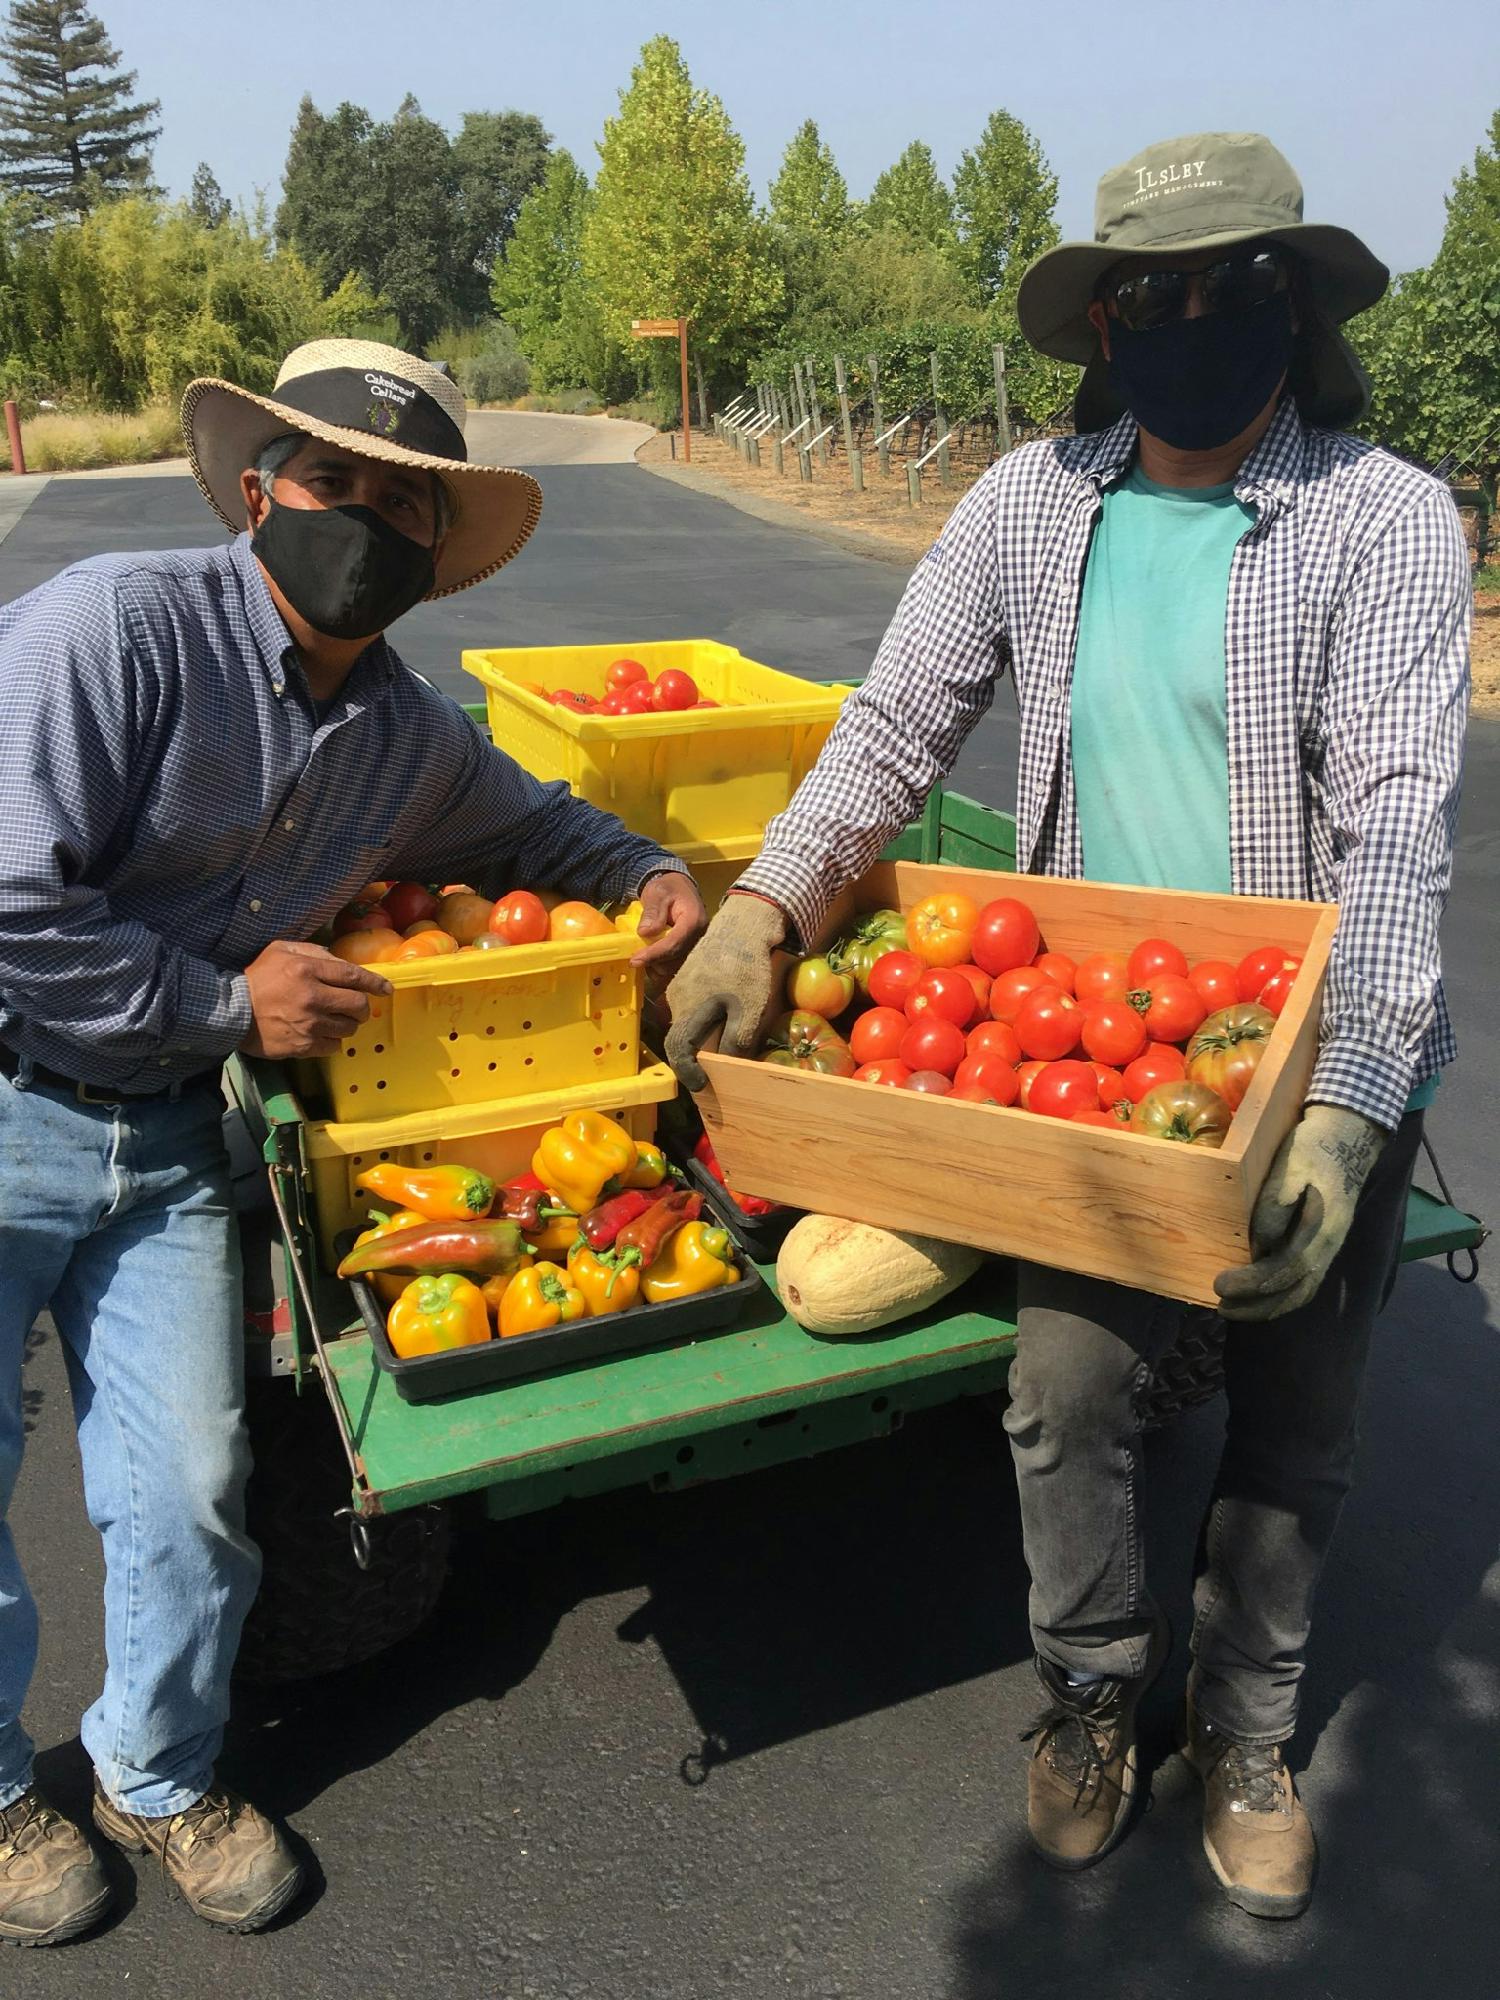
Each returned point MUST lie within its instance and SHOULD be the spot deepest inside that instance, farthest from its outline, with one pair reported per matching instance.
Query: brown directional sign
(670, 329)
(653, 329)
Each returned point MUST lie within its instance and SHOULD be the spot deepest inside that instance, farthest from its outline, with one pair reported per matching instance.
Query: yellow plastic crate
(718, 865)
(708, 775)
(497, 1138)
(473, 1027)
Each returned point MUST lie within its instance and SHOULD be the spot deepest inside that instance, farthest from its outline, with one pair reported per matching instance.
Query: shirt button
(163, 1062)
(255, 902)
(288, 824)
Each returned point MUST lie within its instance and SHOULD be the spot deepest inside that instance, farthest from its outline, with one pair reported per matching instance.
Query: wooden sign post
(665, 329)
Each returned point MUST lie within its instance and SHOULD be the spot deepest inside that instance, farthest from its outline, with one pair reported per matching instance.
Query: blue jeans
(119, 1216)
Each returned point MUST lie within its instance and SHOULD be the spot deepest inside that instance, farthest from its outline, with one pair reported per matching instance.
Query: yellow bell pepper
(388, 1286)
(434, 1314)
(695, 1258)
(540, 1297)
(493, 1290)
(576, 1158)
(650, 1168)
(608, 1287)
(629, 919)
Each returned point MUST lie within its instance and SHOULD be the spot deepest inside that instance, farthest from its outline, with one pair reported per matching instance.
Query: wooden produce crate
(1141, 1211)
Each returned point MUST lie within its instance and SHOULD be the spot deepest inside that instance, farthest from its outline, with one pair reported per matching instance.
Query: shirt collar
(1269, 477)
(374, 669)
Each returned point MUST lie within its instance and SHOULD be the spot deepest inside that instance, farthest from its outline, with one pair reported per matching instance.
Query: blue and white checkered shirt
(1347, 684)
(171, 802)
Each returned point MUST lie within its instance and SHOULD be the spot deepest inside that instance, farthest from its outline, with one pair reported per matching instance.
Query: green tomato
(872, 937)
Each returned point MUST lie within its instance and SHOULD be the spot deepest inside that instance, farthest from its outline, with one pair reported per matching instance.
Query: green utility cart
(340, 1456)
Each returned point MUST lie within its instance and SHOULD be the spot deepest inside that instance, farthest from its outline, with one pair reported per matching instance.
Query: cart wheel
(318, 1610)
(1190, 1372)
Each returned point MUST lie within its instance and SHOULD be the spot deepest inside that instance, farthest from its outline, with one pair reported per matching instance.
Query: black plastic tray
(551, 1348)
(762, 1235)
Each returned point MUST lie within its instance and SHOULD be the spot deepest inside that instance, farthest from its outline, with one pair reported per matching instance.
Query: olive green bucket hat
(1207, 192)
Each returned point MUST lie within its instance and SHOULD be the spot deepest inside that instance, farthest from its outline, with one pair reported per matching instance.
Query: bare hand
(672, 913)
(305, 1001)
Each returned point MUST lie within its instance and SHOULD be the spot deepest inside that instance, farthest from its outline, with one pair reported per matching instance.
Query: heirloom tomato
(931, 1082)
(1048, 1022)
(1005, 936)
(802, 1040)
(995, 1038)
(1101, 976)
(1059, 968)
(941, 928)
(889, 1070)
(520, 918)
(577, 920)
(1256, 967)
(465, 916)
(361, 917)
(1113, 1032)
(1188, 1112)
(1226, 1051)
(407, 902)
(1170, 1007)
(876, 1035)
(1217, 982)
(1012, 988)
(946, 993)
(933, 1043)
(1063, 1088)
(365, 947)
(892, 977)
(872, 937)
(1160, 1064)
(1152, 956)
(990, 1074)
(814, 986)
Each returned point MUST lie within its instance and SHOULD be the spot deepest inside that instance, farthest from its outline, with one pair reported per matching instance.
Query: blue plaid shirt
(171, 802)
(1347, 682)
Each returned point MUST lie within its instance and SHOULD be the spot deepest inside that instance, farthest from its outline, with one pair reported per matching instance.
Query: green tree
(413, 189)
(671, 228)
(912, 196)
(876, 279)
(207, 201)
(810, 194)
(70, 133)
(499, 157)
(327, 214)
(1004, 193)
(539, 289)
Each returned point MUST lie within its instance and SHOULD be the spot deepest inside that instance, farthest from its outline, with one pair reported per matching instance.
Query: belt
(89, 1093)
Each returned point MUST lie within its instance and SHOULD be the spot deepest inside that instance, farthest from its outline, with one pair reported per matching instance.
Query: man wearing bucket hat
(203, 755)
(1239, 639)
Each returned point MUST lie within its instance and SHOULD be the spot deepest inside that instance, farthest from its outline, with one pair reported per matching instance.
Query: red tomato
(972, 1093)
(946, 993)
(933, 1043)
(1257, 967)
(1274, 994)
(1005, 936)
(637, 698)
(1174, 1008)
(1063, 1088)
(1011, 988)
(1111, 1085)
(1102, 976)
(624, 673)
(1048, 1023)
(995, 1038)
(941, 928)
(888, 1070)
(981, 983)
(1059, 968)
(674, 690)
(705, 704)
(892, 977)
(1028, 1074)
(1152, 956)
(582, 704)
(1160, 1064)
(931, 1082)
(876, 1035)
(1104, 1118)
(408, 903)
(995, 1077)
(355, 919)
(1217, 982)
(1113, 1032)
(520, 918)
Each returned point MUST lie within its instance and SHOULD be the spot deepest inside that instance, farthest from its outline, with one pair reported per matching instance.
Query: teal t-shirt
(1150, 730)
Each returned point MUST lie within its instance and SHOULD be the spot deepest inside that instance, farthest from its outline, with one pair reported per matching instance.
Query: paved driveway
(759, 1739)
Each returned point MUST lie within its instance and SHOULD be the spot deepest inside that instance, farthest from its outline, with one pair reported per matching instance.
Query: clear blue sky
(1377, 103)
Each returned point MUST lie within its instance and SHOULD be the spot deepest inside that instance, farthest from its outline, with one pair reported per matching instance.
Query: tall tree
(1004, 193)
(672, 227)
(539, 288)
(327, 213)
(499, 157)
(414, 185)
(207, 201)
(810, 194)
(70, 130)
(912, 196)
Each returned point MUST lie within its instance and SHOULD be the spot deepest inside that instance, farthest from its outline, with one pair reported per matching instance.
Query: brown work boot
(52, 1886)
(1081, 1784)
(1256, 1833)
(231, 1864)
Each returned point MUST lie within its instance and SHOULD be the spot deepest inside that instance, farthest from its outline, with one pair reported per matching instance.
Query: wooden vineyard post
(873, 362)
(1002, 406)
(665, 329)
(817, 412)
(841, 381)
(940, 416)
(857, 469)
(914, 485)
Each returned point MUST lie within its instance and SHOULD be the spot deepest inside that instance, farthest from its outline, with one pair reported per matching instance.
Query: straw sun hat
(381, 403)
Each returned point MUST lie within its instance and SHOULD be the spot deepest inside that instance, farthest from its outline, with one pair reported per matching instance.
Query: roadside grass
(1487, 577)
(88, 439)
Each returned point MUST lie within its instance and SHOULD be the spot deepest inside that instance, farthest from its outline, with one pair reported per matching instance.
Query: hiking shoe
(1081, 1784)
(230, 1863)
(52, 1886)
(1256, 1833)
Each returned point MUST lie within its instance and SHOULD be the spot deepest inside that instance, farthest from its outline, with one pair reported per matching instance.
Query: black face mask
(1197, 383)
(343, 569)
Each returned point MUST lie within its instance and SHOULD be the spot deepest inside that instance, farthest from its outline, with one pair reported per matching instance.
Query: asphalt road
(514, 1803)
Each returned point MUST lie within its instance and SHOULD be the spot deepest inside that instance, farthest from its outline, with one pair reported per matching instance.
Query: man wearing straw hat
(203, 755)
(1239, 639)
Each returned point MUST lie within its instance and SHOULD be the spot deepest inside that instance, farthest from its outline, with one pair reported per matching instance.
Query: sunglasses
(1147, 299)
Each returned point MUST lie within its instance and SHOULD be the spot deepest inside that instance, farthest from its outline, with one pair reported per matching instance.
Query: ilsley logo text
(1173, 176)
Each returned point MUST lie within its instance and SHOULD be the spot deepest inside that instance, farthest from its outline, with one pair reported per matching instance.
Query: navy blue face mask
(1197, 383)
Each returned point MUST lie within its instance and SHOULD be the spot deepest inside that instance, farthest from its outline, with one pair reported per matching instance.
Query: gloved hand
(727, 979)
(1303, 1214)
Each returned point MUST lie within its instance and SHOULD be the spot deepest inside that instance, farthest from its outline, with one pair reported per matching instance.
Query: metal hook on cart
(1469, 1250)
(360, 1544)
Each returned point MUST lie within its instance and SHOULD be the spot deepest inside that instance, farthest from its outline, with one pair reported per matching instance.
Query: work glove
(1303, 1214)
(726, 982)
